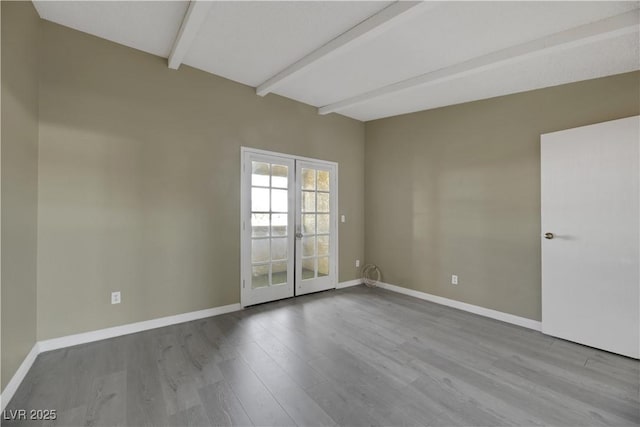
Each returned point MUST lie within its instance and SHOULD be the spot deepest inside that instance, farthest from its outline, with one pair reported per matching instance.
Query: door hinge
(243, 283)
(243, 225)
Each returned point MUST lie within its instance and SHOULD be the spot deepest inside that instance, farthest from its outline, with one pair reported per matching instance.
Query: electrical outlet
(115, 297)
(357, 263)
(343, 218)
(454, 279)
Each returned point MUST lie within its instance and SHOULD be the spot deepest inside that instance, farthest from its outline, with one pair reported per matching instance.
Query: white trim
(366, 30)
(244, 150)
(336, 191)
(191, 23)
(245, 202)
(349, 283)
(18, 377)
(132, 328)
(595, 31)
(482, 311)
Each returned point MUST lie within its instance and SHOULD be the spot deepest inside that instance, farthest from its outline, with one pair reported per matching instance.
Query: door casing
(245, 218)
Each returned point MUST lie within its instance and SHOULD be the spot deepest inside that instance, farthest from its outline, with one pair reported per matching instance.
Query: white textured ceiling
(440, 37)
(250, 42)
(150, 26)
(581, 63)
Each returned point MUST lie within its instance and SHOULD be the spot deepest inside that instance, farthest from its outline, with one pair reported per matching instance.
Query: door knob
(548, 236)
(298, 235)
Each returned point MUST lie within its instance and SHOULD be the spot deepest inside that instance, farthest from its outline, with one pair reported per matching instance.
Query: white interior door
(590, 261)
(268, 197)
(316, 227)
(289, 236)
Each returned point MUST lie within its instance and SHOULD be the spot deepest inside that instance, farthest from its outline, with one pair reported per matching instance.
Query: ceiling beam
(367, 29)
(193, 19)
(600, 30)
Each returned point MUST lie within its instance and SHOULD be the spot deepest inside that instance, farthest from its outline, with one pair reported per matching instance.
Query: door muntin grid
(270, 231)
(315, 223)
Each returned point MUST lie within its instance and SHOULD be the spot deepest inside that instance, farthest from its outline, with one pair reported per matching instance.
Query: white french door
(267, 231)
(289, 226)
(316, 220)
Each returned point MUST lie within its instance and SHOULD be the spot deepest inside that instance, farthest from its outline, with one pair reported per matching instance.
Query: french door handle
(298, 235)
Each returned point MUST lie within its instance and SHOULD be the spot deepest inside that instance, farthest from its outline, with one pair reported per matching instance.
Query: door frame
(245, 204)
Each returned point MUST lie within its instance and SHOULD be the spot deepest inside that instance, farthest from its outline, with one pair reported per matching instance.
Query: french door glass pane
(279, 176)
(279, 224)
(278, 249)
(308, 268)
(309, 224)
(316, 208)
(308, 246)
(259, 225)
(323, 202)
(278, 273)
(279, 201)
(260, 276)
(323, 245)
(323, 180)
(259, 199)
(323, 224)
(323, 266)
(260, 250)
(308, 201)
(260, 174)
(308, 179)
(269, 223)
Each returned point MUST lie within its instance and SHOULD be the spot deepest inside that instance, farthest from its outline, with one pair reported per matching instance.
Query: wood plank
(293, 399)
(222, 406)
(261, 406)
(146, 406)
(192, 417)
(107, 401)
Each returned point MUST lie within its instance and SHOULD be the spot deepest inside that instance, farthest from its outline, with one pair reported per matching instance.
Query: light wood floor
(353, 357)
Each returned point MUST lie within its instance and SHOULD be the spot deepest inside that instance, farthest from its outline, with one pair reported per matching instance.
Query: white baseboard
(17, 378)
(482, 311)
(116, 331)
(132, 328)
(101, 334)
(348, 283)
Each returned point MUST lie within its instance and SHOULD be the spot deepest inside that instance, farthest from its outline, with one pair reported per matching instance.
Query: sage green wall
(20, 34)
(139, 182)
(456, 190)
